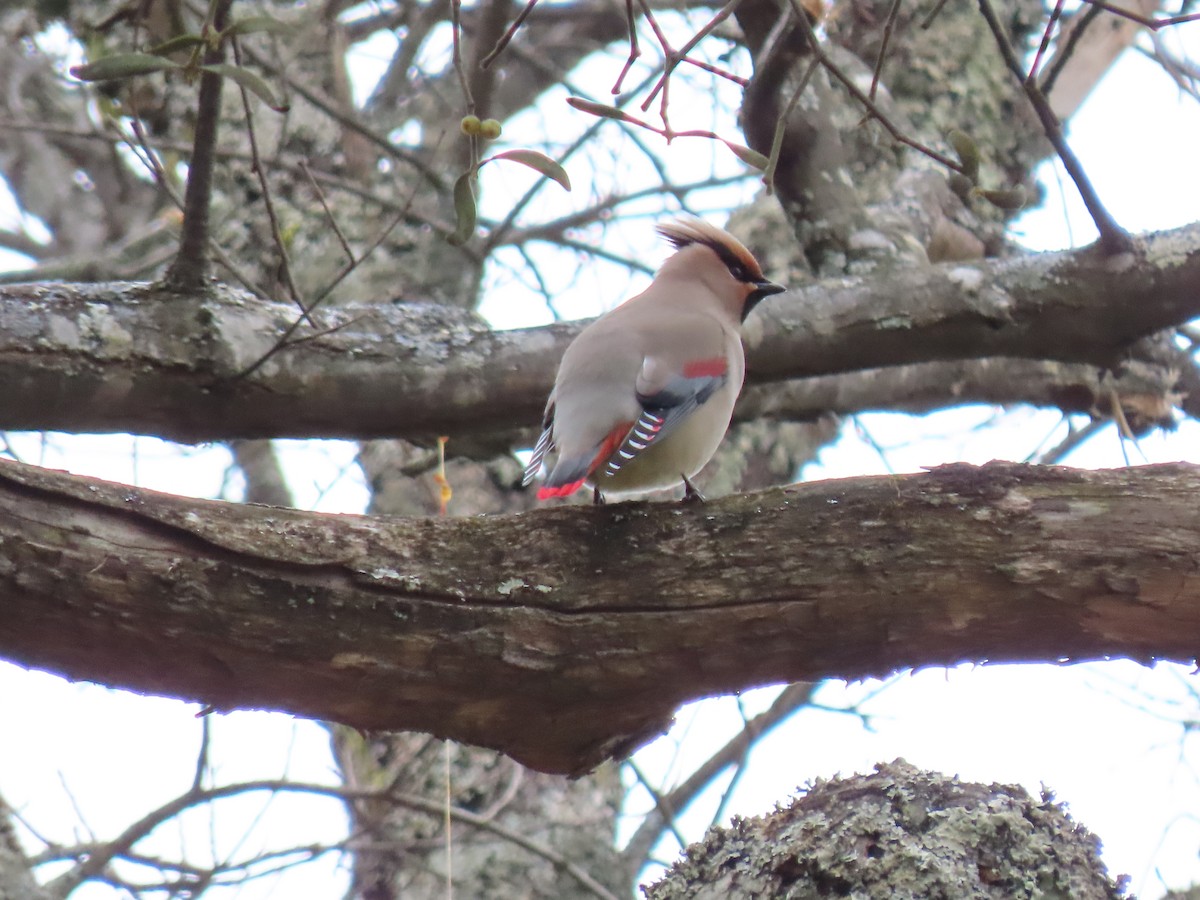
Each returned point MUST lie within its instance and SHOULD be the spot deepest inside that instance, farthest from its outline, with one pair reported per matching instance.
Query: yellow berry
(470, 125)
(490, 129)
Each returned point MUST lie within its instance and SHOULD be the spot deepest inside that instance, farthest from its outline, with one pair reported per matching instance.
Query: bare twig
(1146, 21)
(665, 810)
(873, 111)
(1068, 48)
(337, 230)
(508, 35)
(348, 120)
(202, 756)
(675, 57)
(739, 769)
(1047, 33)
(781, 124)
(286, 339)
(634, 50)
(488, 31)
(1075, 437)
(95, 857)
(888, 26)
(933, 14)
(285, 262)
(679, 798)
(1113, 238)
(464, 82)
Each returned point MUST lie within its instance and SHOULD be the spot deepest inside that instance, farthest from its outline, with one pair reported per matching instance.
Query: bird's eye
(738, 271)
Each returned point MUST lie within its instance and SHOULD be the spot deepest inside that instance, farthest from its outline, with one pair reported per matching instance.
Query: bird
(645, 393)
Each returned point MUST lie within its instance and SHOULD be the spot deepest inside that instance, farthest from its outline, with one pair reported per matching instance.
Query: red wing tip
(563, 490)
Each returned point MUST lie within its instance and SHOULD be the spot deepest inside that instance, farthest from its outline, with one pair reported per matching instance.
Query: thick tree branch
(120, 357)
(569, 636)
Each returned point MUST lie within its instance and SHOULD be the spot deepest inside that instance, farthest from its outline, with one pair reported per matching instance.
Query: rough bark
(123, 357)
(567, 637)
(899, 832)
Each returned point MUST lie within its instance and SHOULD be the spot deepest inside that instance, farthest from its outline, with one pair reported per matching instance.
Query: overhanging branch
(127, 358)
(568, 636)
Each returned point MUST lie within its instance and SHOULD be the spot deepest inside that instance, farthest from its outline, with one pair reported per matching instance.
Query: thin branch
(634, 50)
(285, 262)
(1047, 33)
(782, 122)
(464, 82)
(348, 120)
(1113, 238)
(286, 339)
(1063, 56)
(489, 28)
(739, 769)
(190, 269)
(202, 757)
(496, 234)
(888, 26)
(873, 111)
(675, 57)
(101, 855)
(508, 35)
(1146, 21)
(683, 795)
(1075, 438)
(152, 163)
(666, 811)
(337, 230)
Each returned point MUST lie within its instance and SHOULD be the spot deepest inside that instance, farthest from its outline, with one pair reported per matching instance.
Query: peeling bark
(569, 636)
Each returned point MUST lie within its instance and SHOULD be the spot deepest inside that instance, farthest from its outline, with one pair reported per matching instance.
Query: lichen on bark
(899, 832)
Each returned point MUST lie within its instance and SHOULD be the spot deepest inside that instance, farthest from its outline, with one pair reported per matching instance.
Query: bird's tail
(570, 472)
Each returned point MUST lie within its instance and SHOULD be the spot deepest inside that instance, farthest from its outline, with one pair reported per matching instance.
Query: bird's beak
(762, 290)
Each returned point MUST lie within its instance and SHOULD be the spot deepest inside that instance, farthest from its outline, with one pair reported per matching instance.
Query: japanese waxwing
(645, 393)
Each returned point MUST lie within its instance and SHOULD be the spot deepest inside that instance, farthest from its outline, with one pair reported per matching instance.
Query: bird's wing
(668, 395)
(545, 443)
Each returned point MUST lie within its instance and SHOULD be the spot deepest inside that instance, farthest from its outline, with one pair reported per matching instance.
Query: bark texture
(569, 636)
(122, 357)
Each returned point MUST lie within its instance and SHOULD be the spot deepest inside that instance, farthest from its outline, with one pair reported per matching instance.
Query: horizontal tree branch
(130, 358)
(569, 636)
(1146, 392)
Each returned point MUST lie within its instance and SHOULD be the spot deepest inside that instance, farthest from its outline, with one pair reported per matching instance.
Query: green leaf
(752, 158)
(179, 42)
(601, 109)
(256, 24)
(961, 185)
(464, 208)
(248, 80)
(122, 65)
(539, 162)
(968, 153)
(1010, 198)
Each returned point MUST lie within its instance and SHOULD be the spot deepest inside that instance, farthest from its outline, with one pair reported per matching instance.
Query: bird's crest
(741, 262)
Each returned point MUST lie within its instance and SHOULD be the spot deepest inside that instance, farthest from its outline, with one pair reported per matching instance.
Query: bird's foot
(690, 494)
(597, 497)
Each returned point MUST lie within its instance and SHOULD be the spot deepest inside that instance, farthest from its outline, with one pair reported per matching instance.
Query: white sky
(1108, 738)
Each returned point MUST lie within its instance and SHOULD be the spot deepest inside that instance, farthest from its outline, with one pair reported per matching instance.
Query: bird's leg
(690, 494)
(597, 497)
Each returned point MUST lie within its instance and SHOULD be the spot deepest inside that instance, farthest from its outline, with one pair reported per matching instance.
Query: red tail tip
(563, 490)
